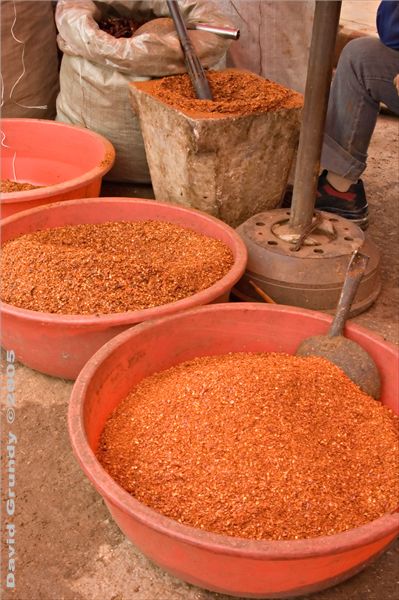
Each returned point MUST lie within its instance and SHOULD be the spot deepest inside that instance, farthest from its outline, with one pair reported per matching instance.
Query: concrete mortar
(67, 546)
(229, 167)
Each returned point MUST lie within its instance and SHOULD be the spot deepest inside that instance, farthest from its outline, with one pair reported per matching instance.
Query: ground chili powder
(110, 267)
(261, 446)
(7, 186)
(234, 92)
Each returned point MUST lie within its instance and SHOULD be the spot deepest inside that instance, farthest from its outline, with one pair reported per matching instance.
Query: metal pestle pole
(193, 64)
(325, 26)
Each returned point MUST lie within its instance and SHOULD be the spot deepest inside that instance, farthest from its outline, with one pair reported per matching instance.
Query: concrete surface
(67, 546)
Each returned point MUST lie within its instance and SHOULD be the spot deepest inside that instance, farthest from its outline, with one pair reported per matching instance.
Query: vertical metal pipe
(325, 26)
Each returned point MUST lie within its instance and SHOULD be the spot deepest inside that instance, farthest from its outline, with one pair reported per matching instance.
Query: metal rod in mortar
(193, 65)
(325, 26)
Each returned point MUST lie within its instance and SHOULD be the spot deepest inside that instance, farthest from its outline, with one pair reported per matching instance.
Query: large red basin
(69, 160)
(60, 345)
(257, 569)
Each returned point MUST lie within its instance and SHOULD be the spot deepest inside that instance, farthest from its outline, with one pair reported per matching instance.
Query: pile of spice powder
(110, 267)
(260, 446)
(234, 93)
(7, 186)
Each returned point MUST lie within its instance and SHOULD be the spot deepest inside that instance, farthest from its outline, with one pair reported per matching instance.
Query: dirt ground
(68, 547)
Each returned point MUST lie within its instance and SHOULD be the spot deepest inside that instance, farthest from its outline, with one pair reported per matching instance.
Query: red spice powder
(7, 186)
(261, 446)
(235, 93)
(109, 267)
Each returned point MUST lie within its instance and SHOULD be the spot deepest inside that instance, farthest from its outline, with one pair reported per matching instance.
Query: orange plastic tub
(60, 345)
(69, 161)
(240, 567)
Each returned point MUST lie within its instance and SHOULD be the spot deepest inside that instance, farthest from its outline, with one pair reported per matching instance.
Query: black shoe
(350, 205)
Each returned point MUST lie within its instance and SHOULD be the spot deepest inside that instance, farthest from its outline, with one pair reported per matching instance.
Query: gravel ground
(67, 546)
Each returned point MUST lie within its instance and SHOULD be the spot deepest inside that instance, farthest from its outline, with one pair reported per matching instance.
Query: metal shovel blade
(346, 354)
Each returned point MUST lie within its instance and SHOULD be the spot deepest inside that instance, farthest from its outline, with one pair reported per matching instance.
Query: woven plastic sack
(275, 38)
(29, 63)
(97, 67)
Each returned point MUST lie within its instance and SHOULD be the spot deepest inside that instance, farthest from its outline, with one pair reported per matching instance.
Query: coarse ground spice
(110, 267)
(261, 446)
(234, 93)
(7, 186)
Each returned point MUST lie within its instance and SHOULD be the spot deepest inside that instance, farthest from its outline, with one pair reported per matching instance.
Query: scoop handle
(224, 32)
(356, 268)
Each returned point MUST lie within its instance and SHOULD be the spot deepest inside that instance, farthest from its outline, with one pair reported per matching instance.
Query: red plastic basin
(60, 345)
(257, 569)
(70, 160)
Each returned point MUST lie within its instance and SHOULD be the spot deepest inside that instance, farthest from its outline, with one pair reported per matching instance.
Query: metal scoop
(346, 354)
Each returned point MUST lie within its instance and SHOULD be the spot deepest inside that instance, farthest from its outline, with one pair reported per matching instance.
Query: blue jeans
(363, 79)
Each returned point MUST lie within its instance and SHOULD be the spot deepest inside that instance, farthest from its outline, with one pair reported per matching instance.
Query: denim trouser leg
(363, 79)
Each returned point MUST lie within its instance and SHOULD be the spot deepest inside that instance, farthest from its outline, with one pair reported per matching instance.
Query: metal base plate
(311, 277)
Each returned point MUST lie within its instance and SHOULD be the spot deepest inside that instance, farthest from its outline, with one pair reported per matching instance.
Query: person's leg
(364, 78)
